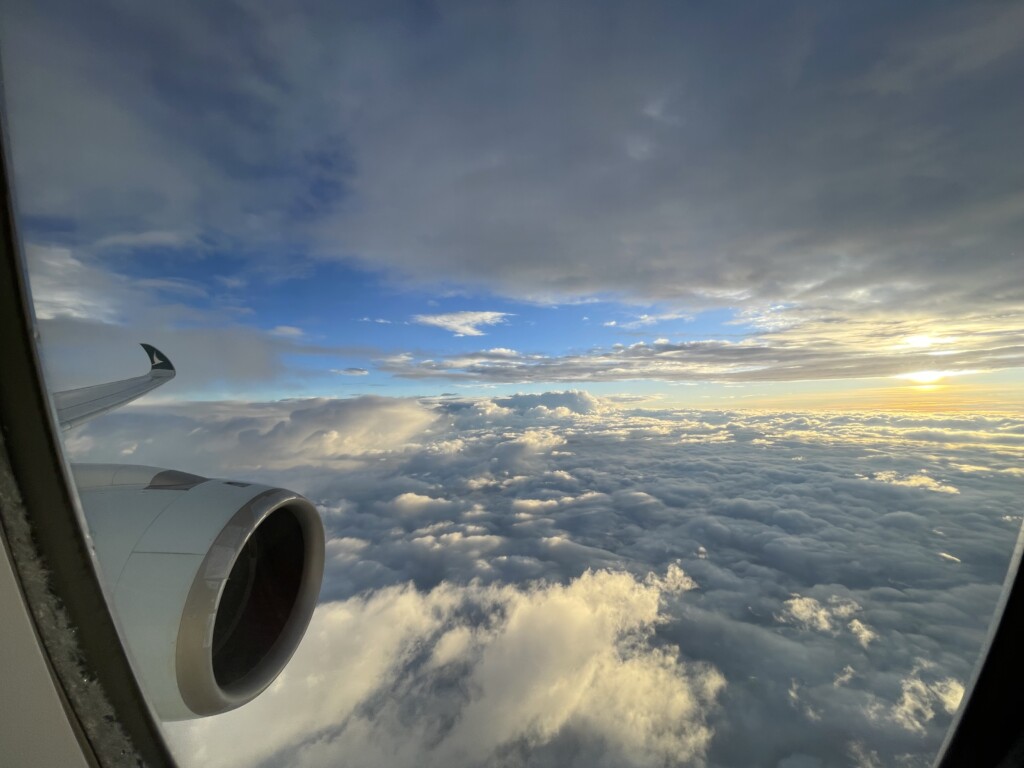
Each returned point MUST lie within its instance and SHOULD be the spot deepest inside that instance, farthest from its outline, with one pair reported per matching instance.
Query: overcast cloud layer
(551, 580)
(840, 177)
(854, 154)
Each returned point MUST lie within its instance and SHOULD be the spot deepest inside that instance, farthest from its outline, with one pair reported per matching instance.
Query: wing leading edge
(75, 406)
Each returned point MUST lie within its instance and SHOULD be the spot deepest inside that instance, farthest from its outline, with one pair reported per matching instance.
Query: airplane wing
(75, 406)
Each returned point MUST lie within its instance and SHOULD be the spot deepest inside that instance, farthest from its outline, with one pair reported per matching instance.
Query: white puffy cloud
(919, 697)
(809, 613)
(532, 506)
(415, 505)
(862, 632)
(245, 437)
(784, 563)
(918, 480)
(470, 675)
(574, 401)
(846, 675)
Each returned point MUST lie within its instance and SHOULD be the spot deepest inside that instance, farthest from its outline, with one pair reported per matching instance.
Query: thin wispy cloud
(462, 323)
(760, 358)
(646, 320)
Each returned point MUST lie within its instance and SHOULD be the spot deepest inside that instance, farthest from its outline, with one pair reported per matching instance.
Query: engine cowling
(213, 582)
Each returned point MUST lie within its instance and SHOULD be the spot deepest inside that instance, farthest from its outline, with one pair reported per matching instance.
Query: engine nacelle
(213, 582)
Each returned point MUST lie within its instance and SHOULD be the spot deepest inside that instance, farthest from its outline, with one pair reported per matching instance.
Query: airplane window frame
(36, 469)
(987, 730)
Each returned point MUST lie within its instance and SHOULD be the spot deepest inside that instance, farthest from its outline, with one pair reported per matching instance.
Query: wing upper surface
(75, 406)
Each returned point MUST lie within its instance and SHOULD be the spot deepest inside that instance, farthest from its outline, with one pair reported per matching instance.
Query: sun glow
(925, 377)
(930, 377)
(920, 342)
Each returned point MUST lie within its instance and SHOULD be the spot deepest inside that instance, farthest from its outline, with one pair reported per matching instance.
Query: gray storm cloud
(818, 564)
(841, 177)
(835, 157)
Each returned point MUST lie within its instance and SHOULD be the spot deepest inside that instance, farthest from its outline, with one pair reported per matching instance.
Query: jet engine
(213, 582)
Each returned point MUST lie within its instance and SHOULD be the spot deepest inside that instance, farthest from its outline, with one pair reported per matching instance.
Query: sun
(925, 377)
(922, 341)
(931, 377)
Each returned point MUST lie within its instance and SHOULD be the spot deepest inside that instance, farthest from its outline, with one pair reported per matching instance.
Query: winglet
(159, 361)
(79, 405)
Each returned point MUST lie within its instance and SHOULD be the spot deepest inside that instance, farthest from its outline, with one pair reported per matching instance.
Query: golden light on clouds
(924, 377)
(987, 391)
(931, 377)
(925, 341)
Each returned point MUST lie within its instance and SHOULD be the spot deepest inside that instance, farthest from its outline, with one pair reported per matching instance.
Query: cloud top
(460, 623)
(565, 674)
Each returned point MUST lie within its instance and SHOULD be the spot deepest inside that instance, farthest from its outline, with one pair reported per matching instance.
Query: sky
(701, 204)
(656, 366)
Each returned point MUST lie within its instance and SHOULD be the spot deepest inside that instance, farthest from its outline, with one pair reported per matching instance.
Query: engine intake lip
(197, 666)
